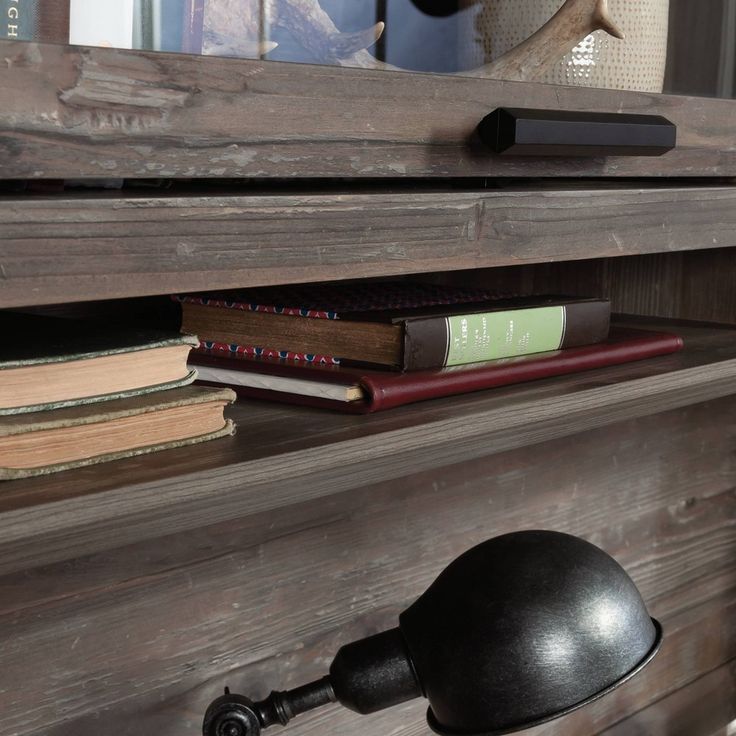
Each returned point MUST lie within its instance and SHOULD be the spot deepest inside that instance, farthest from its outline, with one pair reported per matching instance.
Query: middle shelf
(283, 455)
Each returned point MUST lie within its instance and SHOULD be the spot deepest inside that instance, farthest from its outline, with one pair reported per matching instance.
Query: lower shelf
(285, 455)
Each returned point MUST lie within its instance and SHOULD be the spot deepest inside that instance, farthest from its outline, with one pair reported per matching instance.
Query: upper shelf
(95, 112)
(285, 455)
(76, 248)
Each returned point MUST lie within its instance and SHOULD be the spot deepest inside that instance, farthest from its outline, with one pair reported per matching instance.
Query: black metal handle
(519, 132)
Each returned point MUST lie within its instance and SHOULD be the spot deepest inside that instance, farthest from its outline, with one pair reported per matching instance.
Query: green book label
(477, 337)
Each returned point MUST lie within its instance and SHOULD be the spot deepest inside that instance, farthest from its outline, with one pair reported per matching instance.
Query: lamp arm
(365, 676)
(281, 706)
(236, 715)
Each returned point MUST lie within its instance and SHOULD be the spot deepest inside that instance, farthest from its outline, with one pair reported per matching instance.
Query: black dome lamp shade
(517, 631)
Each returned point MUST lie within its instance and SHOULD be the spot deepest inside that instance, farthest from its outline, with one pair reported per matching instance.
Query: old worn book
(102, 23)
(401, 326)
(51, 441)
(46, 21)
(48, 362)
(362, 391)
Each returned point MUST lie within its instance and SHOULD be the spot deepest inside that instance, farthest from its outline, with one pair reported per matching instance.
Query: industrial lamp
(517, 631)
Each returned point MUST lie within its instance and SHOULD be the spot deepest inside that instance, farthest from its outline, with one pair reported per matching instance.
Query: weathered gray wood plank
(144, 636)
(706, 707)
(285, 455)
(698, 285)
(76, 112)
(72, 248)
(691, 284)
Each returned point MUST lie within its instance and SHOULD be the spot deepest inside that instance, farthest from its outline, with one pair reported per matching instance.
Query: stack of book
(160, 25)
(215, 27)
(73, 393)
(366, 347)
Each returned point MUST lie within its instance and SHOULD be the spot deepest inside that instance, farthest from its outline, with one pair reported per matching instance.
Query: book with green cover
(49, 362)
(51, 441)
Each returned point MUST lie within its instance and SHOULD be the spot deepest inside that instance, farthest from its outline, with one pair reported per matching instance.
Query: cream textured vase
(636, 63)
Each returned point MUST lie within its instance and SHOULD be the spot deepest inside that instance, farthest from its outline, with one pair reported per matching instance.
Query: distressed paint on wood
(94, 112)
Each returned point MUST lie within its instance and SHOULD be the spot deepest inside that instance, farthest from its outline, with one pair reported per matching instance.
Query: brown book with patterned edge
(400, 326)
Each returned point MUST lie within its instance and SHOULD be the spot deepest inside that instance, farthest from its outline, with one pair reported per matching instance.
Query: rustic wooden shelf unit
(132, 592)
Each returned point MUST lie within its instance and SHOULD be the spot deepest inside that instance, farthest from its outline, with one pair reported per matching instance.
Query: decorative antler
(218, 44)
(528, 61)
(315, 31)
(231, 28)
(557, 37)
(345, 45)
(235, 28)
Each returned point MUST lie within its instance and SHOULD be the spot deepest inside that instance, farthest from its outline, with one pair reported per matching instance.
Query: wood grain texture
(132, 593)
(694, 53)
(693, 285)
(703, 708)
(284, 455)
(73, 248)
(143, 636)
(76, 112)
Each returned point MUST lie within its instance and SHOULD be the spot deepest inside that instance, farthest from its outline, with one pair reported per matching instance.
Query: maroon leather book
(381, 390)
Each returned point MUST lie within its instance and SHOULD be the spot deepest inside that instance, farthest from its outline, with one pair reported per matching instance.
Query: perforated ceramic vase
(599, 60)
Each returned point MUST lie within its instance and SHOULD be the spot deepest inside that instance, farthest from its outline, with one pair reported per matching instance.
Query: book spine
(439, 342)
(45, 21)
(191, 39)
(101, 23)
(168, 25)
(143, 30)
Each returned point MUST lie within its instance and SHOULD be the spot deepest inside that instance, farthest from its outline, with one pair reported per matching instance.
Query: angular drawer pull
(520, 132)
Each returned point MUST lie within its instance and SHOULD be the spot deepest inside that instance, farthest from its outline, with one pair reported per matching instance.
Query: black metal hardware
(235, 715)
(515, 632)
(519, 132)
